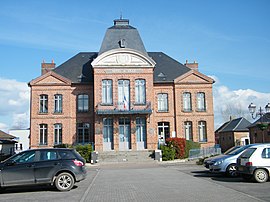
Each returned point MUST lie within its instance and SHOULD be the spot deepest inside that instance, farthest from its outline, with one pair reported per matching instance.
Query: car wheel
(260, 175)
(64, 182)
(231, 170)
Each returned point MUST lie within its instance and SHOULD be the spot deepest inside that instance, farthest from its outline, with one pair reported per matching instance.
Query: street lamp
(260, 113)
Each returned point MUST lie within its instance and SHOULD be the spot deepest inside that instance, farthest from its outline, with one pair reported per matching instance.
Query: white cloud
(14, 104)
(235, 101)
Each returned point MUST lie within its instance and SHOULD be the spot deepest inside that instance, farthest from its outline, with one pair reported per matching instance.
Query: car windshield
(231, 150)
(237, 151)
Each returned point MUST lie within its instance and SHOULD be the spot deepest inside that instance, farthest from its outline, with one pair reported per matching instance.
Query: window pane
(162, 102)
(187, 101)
(201, 101)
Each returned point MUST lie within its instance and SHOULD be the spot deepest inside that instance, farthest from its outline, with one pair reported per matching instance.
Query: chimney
(46, 67)
(193, 66)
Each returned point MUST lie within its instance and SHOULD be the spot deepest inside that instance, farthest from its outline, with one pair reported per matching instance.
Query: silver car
(226, 163)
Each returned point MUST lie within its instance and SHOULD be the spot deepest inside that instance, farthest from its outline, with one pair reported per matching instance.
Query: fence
(204, 152)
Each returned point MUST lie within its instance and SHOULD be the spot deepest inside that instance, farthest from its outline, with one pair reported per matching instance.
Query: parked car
(60, 167)
(254, 163)
(226, 163)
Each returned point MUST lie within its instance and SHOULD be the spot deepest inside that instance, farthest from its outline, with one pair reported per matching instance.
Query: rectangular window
(201, 102)
(43, 134)
(123, 95)
(107, 130)
(58, 133)
(188, 130)
(187, 102)
(162, 102)
(83, 135)
(107, 91)
(83, 103)
(58, 103)
(43, 103)
(202, 131)
(141, 129)
(140, 91)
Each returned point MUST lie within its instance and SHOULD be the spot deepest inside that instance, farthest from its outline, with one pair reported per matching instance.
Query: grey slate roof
(78, 67)
(236, 125)
(265, 119)
(119, 32)
(166, 70)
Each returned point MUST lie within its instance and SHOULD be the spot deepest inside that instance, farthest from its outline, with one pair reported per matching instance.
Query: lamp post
(260, 113)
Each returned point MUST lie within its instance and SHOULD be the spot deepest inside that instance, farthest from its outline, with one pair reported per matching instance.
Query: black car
(55, 166)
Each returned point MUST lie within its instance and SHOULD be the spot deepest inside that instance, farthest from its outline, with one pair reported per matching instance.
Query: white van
(255, 163)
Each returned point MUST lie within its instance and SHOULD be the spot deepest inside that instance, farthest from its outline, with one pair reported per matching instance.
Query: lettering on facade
(123, 71)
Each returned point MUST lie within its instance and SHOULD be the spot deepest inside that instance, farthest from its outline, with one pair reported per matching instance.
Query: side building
(121, 98)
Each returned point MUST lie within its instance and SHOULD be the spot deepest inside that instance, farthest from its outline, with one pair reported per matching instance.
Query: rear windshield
(248, 153)
(67, 154)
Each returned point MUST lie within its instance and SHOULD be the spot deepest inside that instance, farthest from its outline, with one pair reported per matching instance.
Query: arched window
(43, 103)
(201, 101)
(106, 91)
(43, 134)
(58, 103)
(187, 102)
(162, 102)
(188, 130)
(140, 91)
(58, 133)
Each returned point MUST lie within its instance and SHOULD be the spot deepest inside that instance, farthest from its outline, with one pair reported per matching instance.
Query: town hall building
(121, 98)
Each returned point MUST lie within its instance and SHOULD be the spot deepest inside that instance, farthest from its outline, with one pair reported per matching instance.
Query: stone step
(124, 156)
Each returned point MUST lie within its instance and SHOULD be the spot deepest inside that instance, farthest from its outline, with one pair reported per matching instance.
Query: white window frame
(201, 106)
(58, 133)
(43, 103)
(163, 102)
(202, 131)
(107, 91)
(58, 103)
(140, 95)
(43, 134)
(187, 103)
(188, 130)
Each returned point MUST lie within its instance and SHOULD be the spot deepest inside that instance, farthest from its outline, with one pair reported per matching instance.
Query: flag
(125, 102)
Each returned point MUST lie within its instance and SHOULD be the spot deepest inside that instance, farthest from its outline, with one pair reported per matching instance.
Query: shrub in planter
(84, 151)
(179, 145)
(168, 152)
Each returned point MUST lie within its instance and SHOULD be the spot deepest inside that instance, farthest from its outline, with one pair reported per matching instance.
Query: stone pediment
(194, 77)
(123, 58)
(50, 78)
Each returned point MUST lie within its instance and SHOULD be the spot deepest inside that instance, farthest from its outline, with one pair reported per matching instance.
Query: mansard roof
(122, 35)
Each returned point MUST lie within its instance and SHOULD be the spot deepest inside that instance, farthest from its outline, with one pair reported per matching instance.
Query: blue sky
(229, 39)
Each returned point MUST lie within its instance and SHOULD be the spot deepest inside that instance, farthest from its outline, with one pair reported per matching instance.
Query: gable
(194, 77)
(123, 58)
(50, 78)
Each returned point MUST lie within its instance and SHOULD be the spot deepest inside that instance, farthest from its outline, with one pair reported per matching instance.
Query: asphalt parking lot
(147, 182)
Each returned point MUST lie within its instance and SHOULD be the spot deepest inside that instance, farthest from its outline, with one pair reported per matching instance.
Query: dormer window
(122, 43)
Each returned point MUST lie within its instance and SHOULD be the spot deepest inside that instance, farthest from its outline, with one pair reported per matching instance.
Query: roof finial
(121, 17)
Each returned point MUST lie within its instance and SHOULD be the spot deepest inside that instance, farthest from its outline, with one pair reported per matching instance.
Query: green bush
(168, 152)
(84, 151)
(179, 145)
(191, 145)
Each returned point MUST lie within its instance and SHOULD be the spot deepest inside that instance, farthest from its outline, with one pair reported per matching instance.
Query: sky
(229, 39)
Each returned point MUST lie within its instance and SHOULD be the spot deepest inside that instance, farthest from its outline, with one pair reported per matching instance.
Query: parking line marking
(90, 186)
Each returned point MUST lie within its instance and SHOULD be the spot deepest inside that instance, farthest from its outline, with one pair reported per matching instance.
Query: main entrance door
(141, 133)
(124, 134)
(163, 132)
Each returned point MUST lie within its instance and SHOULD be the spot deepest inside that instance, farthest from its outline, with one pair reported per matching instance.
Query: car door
(19, 170)
(47, 165)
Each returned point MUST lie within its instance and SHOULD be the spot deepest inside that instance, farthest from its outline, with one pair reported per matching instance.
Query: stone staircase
(125, 156)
